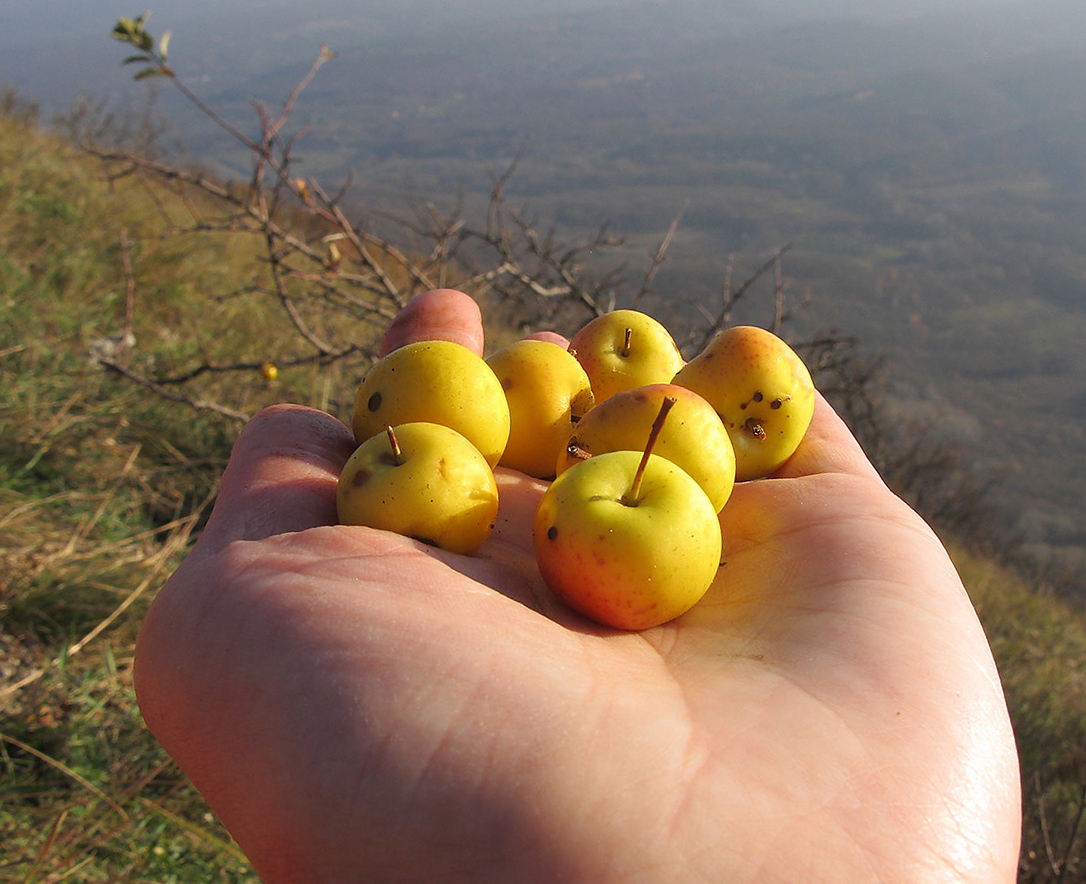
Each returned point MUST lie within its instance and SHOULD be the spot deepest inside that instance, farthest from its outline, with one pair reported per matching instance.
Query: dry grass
(1039, 641)
(102, 487)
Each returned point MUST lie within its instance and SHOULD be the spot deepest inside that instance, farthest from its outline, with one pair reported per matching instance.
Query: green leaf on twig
(129, 30)
(133, 31)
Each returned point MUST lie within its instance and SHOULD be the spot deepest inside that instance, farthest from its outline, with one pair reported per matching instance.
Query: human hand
(357, 706)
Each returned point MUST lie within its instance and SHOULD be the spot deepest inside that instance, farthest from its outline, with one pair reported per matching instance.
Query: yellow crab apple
(421, 480)
(625, 349)
(439, 382)
(762, 391)
(547, 392)
(693, 437)
(627, 538)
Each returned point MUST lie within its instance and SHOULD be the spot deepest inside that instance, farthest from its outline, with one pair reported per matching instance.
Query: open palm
(357, 706)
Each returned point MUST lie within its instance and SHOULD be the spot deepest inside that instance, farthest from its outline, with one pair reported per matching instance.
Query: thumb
(281, 476)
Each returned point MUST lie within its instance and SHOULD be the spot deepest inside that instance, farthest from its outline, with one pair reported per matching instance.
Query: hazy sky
(45, 19)
(54, 50)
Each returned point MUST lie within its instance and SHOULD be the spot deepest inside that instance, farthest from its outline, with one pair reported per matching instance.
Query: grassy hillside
(103, 485)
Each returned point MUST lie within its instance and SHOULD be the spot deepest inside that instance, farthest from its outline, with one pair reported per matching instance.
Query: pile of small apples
(644, 450)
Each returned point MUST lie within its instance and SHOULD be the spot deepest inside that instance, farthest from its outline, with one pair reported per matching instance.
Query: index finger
(439, 314)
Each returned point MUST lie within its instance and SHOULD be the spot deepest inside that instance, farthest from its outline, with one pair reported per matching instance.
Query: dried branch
(159, 390)
(722, 320)
(493, 220)
(658, 258)
(129, 289)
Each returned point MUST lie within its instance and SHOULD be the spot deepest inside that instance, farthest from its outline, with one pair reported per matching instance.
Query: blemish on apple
(755, 429)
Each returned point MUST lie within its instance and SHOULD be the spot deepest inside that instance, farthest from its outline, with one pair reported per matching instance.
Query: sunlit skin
(444, 314)
(357, 706)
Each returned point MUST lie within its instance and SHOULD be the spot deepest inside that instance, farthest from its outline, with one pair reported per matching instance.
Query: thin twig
(1072, 836)
(129, 287)
(732, 298)
(159, 390)
(658, 258)
(493, 220)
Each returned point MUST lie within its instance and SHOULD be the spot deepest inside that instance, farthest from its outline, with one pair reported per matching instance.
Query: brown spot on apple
(755, 429)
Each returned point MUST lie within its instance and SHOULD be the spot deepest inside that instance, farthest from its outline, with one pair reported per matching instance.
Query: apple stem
(632, 497)
(626, 343)
(574, 450)
(397, 454)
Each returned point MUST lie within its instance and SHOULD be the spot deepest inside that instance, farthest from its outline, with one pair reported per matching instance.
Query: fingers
(446, 315)
(281, 477)
(828, 447)
(438, 315)
(551, 337)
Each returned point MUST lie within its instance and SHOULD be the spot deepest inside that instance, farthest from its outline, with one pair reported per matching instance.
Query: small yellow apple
(625, 349)
(626, 558)
(421, 480)
(547, 391)
(439, 382)
(762, 391)
(693, 436)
